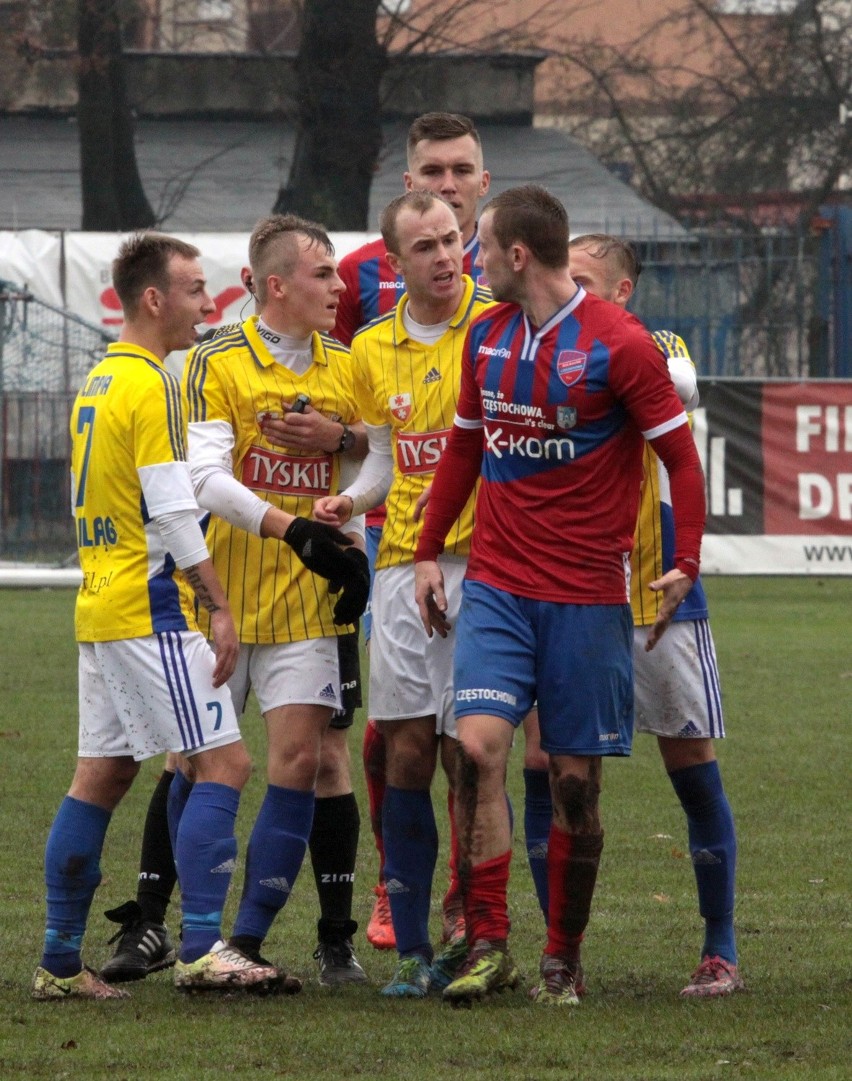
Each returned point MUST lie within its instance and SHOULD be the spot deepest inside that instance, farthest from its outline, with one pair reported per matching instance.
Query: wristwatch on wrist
(347, 440)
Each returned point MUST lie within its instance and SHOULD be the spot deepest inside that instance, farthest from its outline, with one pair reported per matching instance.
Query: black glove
(321, 548)
(352, 601)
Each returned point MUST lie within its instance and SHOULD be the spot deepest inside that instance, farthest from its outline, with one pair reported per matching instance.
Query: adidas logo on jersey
(276, 884)
(394, 885)
(328, 692)
(689, 729)
(432, 376)
(702, 857)
(226, 868)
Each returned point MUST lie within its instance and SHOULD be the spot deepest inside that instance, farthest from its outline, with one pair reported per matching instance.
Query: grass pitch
(786, 666)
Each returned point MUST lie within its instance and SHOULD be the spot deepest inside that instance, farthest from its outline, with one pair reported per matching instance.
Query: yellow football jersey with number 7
(128, 463)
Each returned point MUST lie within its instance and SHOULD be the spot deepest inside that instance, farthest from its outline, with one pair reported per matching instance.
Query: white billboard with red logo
(72, 270)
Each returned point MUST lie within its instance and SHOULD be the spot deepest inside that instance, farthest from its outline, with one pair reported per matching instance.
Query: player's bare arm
(430, 597)
(204, 581)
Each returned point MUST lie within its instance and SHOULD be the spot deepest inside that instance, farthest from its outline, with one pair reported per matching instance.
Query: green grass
(787, 677)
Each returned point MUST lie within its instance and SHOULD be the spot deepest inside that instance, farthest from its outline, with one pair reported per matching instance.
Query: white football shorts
(676, 685)
(142, 696)
(411, 674)
(287, 674)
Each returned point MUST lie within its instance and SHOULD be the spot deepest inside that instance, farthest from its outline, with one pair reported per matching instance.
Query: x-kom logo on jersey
(555, 448)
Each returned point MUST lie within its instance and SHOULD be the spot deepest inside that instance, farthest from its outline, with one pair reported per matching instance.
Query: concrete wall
(494, 87)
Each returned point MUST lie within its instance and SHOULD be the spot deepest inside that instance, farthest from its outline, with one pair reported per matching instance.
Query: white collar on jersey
(533, 340)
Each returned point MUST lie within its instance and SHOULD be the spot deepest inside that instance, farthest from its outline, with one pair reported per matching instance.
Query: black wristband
(347, 440)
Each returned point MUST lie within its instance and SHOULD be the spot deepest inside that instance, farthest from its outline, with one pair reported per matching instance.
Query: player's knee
(229, 765)
(683, 753)
(375, 751)
(576, 800)
(334, 771)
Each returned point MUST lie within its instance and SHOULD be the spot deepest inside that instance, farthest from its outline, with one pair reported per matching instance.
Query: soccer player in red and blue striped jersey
(444, 157)
(560, 391)
(677, 693)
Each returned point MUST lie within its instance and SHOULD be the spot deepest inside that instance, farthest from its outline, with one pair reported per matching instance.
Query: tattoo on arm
(193, 576)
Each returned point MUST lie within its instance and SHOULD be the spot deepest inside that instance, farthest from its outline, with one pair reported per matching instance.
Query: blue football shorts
(575, 660)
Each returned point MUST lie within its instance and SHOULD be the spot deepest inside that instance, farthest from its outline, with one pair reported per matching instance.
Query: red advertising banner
(777, 456)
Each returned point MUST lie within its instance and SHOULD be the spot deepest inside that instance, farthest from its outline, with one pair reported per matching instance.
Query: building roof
(221, 176)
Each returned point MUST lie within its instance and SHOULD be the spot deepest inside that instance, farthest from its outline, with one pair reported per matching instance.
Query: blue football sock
(206, 854)
(179, 791)
(275, 854)
(713, 847)
(538, 814)
(411, 852)
(71, 873)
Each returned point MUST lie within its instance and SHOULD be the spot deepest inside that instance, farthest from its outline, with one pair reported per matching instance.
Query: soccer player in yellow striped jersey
(148, 680)
(677, 693)
(235, 380)
(406, 373)
(254, 454)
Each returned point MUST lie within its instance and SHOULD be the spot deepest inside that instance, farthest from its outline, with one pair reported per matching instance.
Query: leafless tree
(113, 196)
(339, 69)
(341, 64)
(751, 106)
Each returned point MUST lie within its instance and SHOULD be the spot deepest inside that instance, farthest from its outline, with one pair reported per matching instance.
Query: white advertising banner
(34, 258)
(73, 269)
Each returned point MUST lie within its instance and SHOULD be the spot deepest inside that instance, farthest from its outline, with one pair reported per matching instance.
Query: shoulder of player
(377, 327)
(333, 347)
(218, 350)
(613, 324)
(373, 249)
(494, 312)
(482, 295)
(671, 344)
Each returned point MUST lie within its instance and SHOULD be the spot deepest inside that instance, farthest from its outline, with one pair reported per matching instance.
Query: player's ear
(276, 286)
(519, 254)
(394, 262)
(623, 291)
(484, 183)
(408, 180)
(151, 300)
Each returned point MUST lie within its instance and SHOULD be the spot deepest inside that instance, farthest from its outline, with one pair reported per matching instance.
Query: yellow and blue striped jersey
(128, 462)
(414, 388)
(654, 540)
(234, 378)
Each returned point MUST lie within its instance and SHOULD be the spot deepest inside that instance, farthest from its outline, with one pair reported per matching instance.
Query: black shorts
(349, 658)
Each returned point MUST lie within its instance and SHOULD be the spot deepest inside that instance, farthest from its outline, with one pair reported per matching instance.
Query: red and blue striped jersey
(566, 409)
(373, 289)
